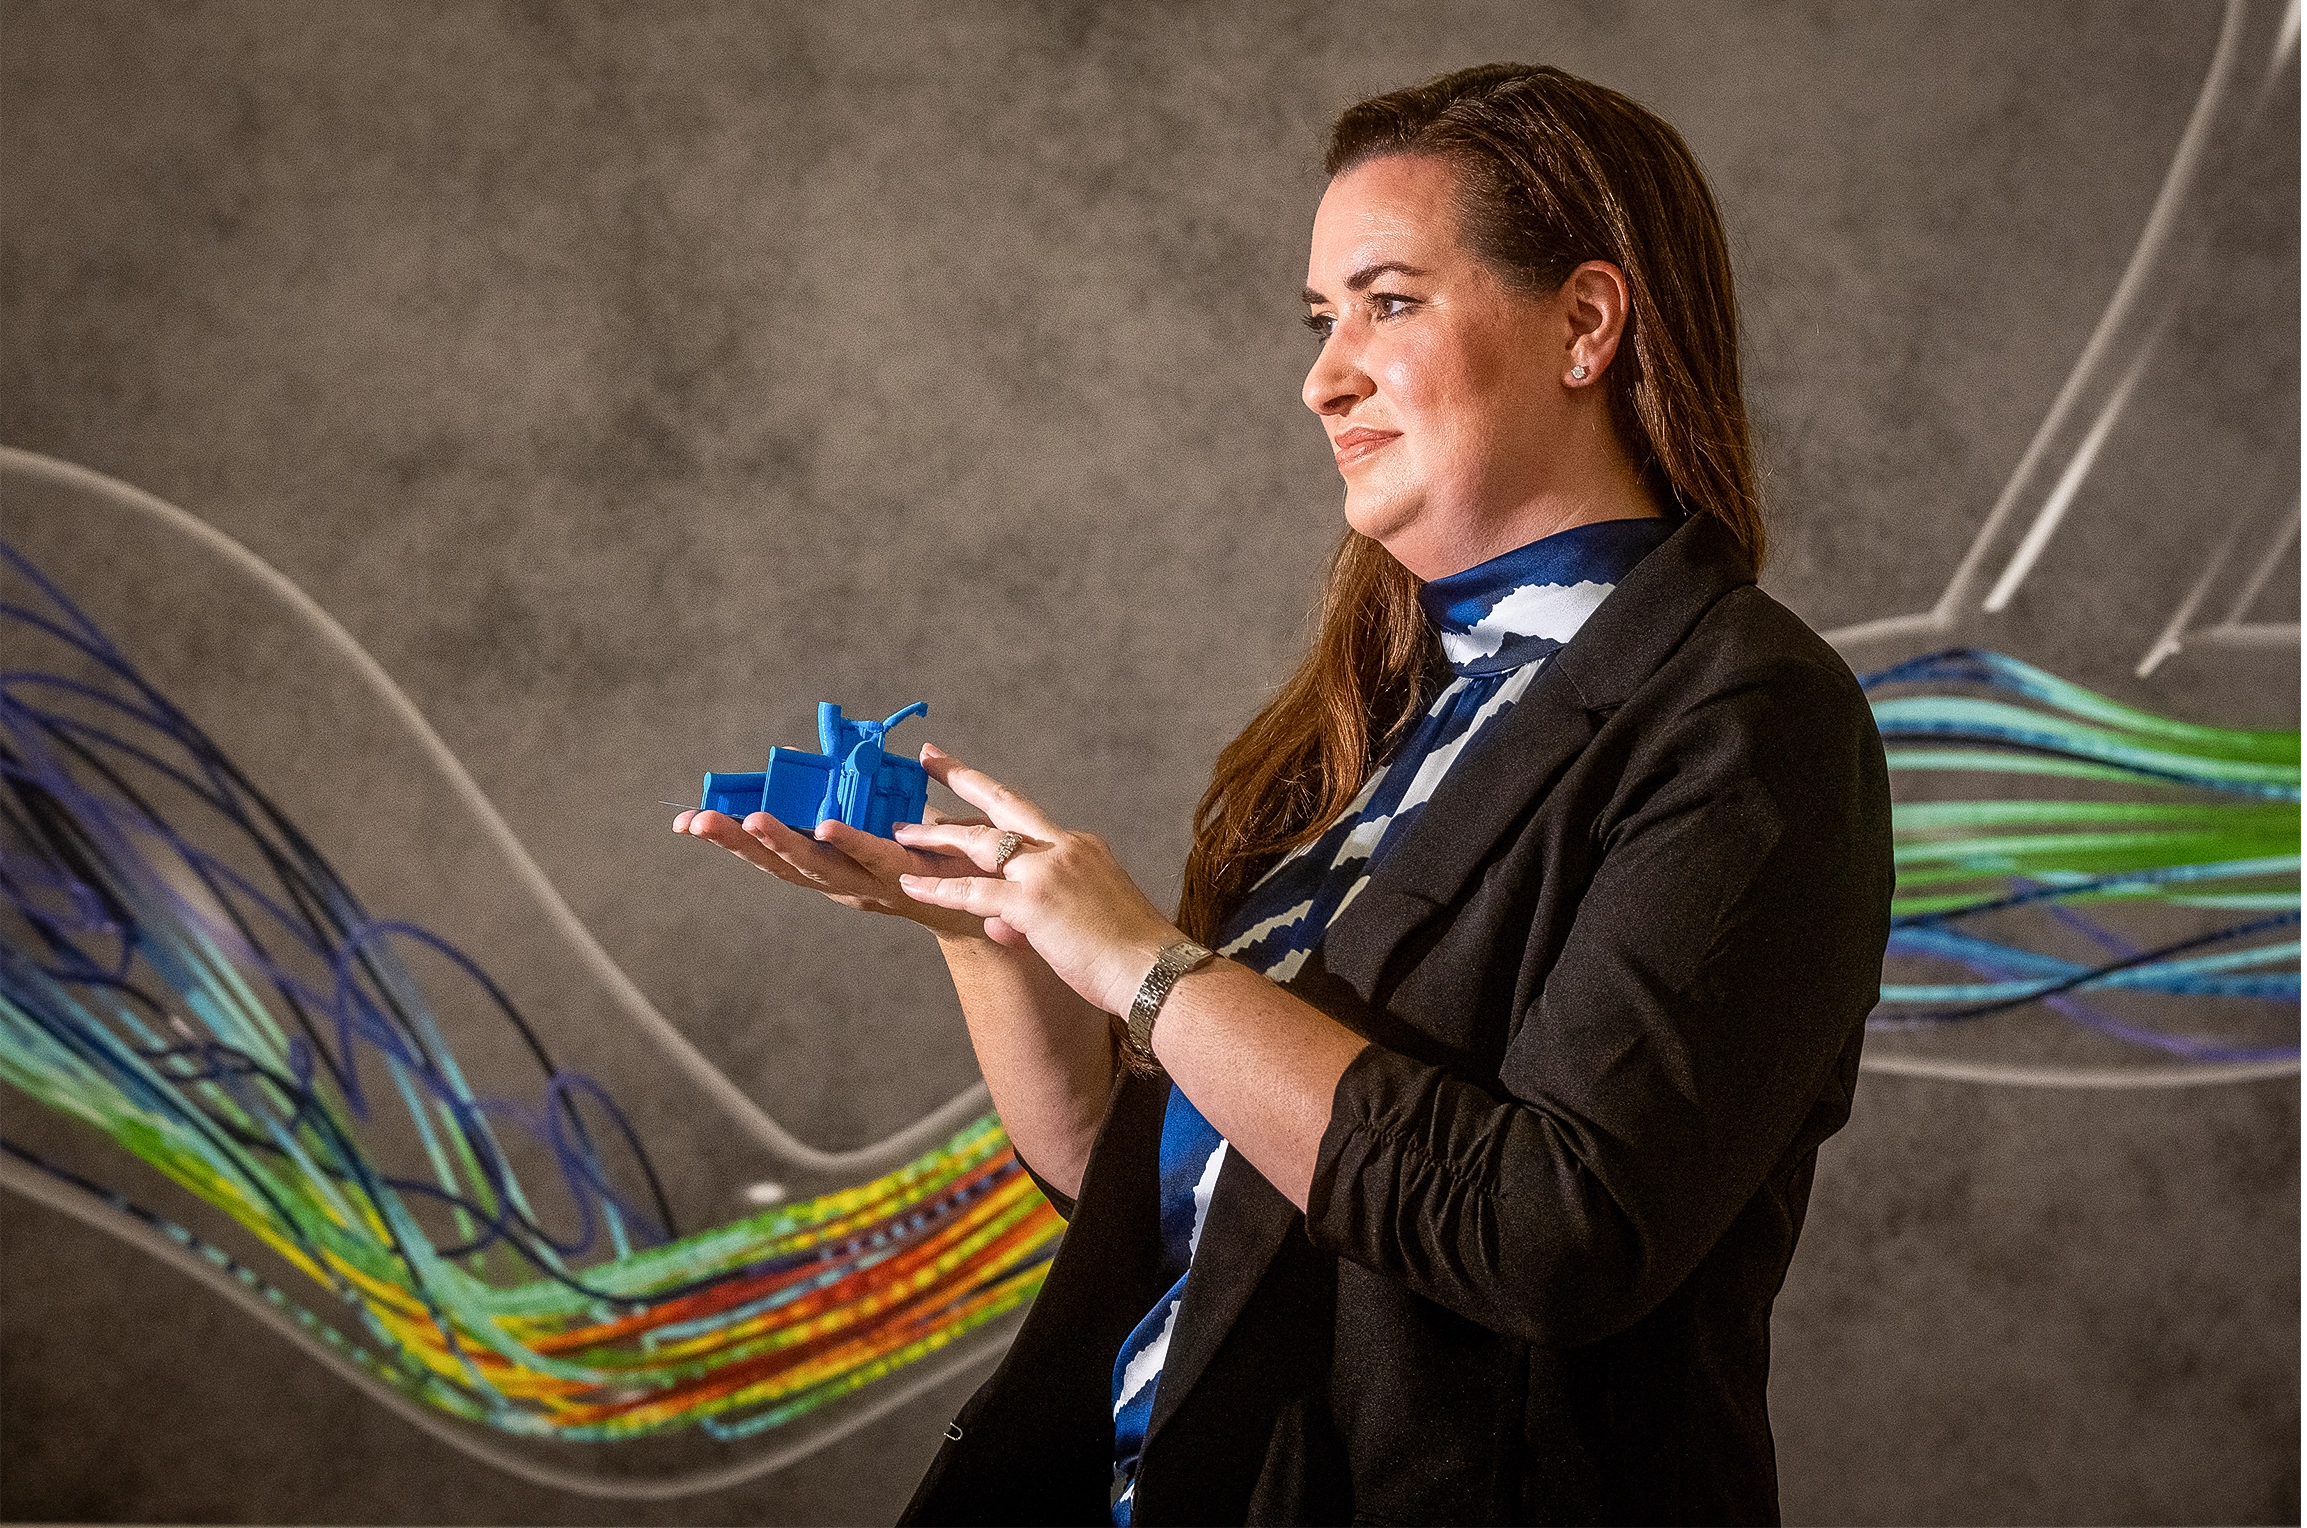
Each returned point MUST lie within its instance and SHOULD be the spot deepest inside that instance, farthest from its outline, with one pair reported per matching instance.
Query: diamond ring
(1008, 846)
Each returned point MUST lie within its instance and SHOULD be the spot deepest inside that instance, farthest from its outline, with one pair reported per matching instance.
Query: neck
(1439, 551)
(1580, 474)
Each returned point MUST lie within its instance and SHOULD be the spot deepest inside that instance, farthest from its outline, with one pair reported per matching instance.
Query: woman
(1549, 896)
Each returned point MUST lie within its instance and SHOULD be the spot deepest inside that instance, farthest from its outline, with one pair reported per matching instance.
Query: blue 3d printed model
(852, 779)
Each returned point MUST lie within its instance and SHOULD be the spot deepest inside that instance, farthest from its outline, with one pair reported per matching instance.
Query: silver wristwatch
(1174, 961)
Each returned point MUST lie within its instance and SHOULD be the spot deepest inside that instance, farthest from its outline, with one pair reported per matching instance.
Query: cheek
(1403, 381)
(1415, 380)
(1427, 390)
(1437, 399)
(1449, 370)
(1494, 396)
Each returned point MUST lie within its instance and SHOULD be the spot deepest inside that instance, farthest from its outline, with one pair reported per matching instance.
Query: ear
(1594, 299)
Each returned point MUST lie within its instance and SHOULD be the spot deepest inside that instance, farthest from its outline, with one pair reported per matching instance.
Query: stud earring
(1577, 373)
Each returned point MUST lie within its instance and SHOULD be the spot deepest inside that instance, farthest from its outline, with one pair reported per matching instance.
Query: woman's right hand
(855, 868)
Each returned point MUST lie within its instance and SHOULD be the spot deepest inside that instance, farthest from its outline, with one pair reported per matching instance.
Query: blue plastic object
(852, 779)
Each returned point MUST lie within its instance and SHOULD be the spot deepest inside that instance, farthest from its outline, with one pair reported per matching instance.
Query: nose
(1336, 382)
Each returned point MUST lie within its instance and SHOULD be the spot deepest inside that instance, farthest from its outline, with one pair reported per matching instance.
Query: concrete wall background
(552, 346)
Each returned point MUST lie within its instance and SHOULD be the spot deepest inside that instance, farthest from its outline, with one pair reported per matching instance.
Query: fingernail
(929, 748)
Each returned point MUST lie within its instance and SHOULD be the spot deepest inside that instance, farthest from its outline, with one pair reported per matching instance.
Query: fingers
(937, 819)
(878, 855)
(887, 861)
(715, 827)
(824, 866)
(978, 843)
(720, 828)
(978, 895)
(785, 854)
(853, 868)
(1005, 807)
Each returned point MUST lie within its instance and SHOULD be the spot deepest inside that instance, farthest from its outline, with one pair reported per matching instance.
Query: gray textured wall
(552, 346)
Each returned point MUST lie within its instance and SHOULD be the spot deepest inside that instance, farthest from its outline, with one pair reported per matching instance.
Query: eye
(1385, 305)
(1320, 323)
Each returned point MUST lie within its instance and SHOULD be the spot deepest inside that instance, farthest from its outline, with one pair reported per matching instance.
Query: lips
(1351, 446)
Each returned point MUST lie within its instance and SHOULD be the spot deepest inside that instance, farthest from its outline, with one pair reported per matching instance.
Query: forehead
(1397, 208)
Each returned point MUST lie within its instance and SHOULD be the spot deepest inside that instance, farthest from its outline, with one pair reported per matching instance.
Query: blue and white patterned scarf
(1499, 623)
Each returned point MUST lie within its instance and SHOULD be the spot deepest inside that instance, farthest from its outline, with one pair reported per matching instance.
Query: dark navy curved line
(1980, 1010)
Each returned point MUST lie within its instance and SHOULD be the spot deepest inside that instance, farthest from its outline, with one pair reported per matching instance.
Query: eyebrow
(1361, 279)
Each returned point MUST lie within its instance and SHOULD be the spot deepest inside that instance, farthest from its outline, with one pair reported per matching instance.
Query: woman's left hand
(1060, 891)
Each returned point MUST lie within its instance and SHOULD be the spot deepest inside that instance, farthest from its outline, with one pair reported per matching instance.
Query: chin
(1379, 516)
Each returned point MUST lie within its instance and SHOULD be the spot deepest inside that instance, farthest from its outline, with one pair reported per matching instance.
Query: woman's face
(1446, 394)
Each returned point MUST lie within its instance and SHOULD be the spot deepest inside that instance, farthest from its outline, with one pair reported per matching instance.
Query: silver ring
(1009, 845)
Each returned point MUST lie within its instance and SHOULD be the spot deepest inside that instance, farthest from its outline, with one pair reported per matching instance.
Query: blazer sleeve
(1726, 949)
(1060, 1202)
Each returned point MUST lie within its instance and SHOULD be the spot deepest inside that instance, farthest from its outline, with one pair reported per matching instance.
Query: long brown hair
(1552, 171)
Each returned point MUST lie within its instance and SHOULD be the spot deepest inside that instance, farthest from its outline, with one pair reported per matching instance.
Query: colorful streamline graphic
(2091, 895)
(444, 1203)
(285, 1004)
(2097, 808)
(185, 973)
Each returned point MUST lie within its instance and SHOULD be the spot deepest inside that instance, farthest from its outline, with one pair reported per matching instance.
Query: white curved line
(2263, 573)
(2161, 219)
(2232, 631)
(869, 1160)
(2286, 44)
(2172, 637)
(2020, 1076)
(2063, 493)
(2257, 634)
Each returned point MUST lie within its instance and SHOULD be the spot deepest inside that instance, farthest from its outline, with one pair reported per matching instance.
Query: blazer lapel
(1473, 809)
(1477, 804)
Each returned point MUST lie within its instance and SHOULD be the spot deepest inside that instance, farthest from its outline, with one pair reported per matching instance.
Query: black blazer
(1615, 980)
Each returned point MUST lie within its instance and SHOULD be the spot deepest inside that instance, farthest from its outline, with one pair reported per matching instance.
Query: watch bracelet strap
(1175, 960)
